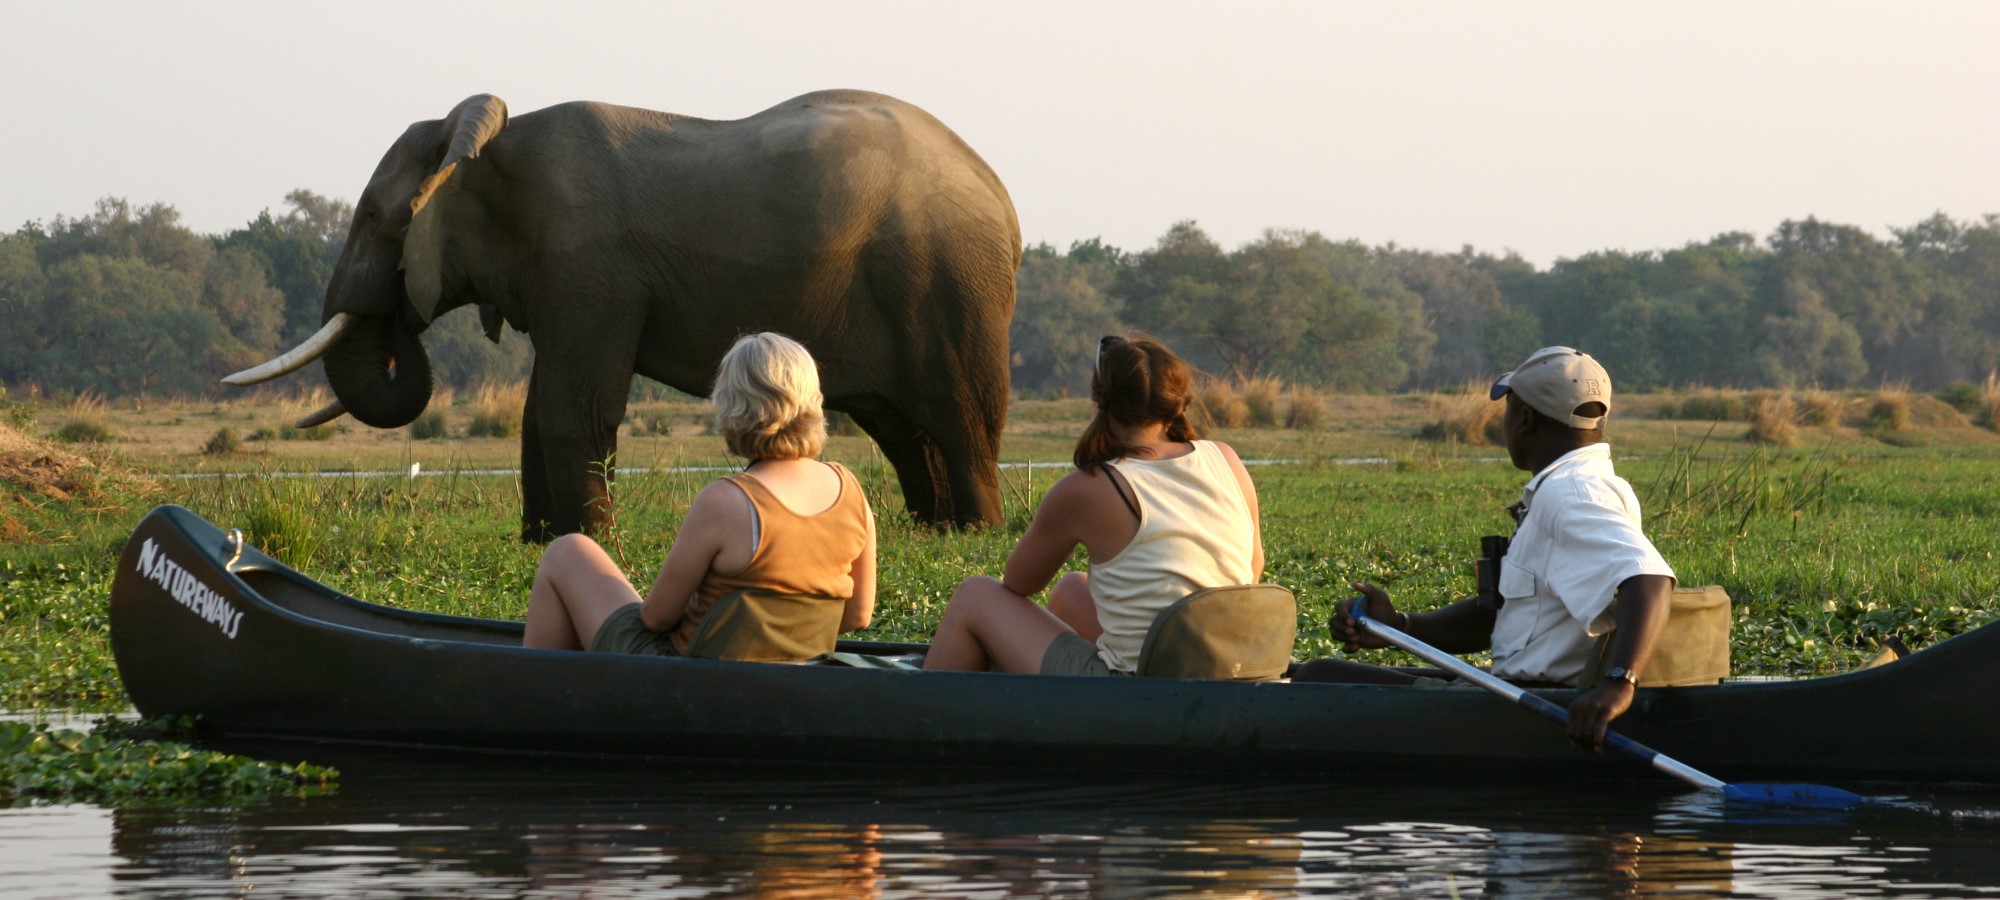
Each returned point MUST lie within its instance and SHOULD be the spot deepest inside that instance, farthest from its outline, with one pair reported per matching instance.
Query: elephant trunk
(380, 372)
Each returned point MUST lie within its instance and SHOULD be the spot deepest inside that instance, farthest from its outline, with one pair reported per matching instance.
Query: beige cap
(1556, 382)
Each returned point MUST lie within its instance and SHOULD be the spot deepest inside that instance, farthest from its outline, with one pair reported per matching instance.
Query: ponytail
(1137, 382)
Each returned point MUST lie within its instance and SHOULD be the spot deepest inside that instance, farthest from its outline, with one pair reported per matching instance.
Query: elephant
(625, 240)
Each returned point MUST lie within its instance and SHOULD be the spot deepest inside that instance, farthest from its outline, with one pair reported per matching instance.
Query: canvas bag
(1694, 648)
(1241, 632)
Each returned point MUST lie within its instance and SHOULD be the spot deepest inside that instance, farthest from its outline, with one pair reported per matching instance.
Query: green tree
(1862, 281)
(297, 252)
(1061, 308)
(1172, 289)
(1478, 333)
(1806, 343)
(462, 357)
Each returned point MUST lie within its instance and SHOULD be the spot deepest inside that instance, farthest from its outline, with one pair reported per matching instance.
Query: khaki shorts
(624, 632)
(1072, 655)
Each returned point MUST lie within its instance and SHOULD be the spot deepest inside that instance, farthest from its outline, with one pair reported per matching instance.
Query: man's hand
(1591, 714)
(1350, 635)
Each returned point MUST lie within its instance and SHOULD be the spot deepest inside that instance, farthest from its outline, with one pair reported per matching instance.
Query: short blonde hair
(767, 399)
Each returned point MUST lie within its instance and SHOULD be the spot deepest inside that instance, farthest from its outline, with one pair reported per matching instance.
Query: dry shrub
(85, 420)
(1820, 409)
(443, 395)
(1224, 407)
(1773, 418)
(1989, 401)
(1466, 417)
(1667, 405)
(496, 409)
(657, 419)
(1260, 400)
(1890, 410)
(1304, 408)
(429, 425)
(222, 442)
(85, 431)
(1715, 405)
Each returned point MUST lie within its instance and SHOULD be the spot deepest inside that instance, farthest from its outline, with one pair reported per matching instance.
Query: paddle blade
(1809, 796)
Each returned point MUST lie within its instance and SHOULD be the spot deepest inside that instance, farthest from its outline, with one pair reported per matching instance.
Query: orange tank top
(802, 555)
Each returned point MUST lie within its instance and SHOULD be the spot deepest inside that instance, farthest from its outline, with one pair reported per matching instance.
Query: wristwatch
(1623, 674)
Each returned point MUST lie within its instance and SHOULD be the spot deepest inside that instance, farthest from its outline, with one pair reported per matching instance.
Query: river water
(403, 825)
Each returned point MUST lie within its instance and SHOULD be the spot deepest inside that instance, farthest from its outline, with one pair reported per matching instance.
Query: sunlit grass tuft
(1260, 400)
(1773, 418)
(1468, 416)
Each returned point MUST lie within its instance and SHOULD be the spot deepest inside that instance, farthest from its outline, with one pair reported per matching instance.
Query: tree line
(128, 300)
(1813, 304)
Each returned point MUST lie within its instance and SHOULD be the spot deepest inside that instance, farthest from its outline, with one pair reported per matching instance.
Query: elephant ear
(465, 132)
(423, 245)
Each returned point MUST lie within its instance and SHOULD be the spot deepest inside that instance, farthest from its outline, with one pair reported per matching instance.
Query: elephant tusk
(321, 416)
(297, 357)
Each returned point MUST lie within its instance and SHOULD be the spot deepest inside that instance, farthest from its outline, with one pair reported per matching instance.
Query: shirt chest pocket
(1515, 623)
(1516, 581)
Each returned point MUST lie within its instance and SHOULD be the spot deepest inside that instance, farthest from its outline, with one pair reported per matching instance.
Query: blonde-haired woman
(788, 523)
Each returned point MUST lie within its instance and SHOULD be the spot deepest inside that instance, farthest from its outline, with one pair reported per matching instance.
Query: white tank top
(1194, 532)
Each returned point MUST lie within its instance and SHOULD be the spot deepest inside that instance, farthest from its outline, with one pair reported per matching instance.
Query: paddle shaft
(1548, 710)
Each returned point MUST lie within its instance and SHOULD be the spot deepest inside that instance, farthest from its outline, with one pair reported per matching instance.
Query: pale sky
(1549, 128)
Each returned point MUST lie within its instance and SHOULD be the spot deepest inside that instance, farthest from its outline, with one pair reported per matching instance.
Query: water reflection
(400, 827)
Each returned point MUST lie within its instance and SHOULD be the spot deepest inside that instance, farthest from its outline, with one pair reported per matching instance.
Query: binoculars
(1486, 570)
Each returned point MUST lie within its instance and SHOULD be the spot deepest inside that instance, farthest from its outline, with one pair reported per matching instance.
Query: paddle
(1806, 795)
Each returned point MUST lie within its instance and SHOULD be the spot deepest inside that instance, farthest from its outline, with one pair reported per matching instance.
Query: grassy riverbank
(1828, 546)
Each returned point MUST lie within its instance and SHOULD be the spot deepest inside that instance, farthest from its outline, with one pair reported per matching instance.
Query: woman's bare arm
(719, 512)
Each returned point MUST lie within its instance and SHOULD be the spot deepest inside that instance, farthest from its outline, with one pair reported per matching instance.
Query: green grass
(124, 763)
(1825, 548)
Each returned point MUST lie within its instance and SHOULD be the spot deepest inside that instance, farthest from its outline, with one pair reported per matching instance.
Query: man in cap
(1578, 564)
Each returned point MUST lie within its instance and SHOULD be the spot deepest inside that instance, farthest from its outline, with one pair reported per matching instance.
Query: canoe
(201, 625)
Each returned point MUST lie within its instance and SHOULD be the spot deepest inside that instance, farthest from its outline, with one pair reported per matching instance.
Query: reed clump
(1889, 411)
(1820, 408)
(1305, 409)
(496, 409)
(223, 442)
(1773, 419)
(84, 420)
(1715, 405)
(1465, 417)
(429, 425)
(1223, 404)
(1260, 400)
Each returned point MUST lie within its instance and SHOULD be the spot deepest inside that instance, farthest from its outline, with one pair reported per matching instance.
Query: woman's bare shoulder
(721, 499)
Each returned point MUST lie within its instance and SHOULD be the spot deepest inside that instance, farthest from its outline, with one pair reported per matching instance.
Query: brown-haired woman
(1160, 512)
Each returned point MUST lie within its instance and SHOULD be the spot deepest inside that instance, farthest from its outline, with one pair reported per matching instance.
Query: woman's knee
(974, 588)
(571, 547)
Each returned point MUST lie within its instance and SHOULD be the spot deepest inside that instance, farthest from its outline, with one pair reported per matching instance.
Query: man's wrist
(1620, 673)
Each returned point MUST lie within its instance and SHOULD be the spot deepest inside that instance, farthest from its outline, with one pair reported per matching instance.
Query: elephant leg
(919, 467)
(536, 504)
(576, 440)
(969, 463)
